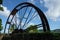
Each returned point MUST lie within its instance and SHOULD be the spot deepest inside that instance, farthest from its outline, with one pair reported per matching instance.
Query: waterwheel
(25, 14)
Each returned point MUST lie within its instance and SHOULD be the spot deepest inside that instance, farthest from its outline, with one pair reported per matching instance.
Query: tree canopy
(1, 1)
(1, 27)
(32, 29)
(1, 8)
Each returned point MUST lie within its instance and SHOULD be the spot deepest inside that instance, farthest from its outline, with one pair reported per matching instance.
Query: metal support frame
(40, 13)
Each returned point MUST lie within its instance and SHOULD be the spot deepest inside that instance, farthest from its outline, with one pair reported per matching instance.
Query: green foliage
(34, 36)
(1, 1)
(12, 27)
(1, 8)
(1, 27)
(32, 29)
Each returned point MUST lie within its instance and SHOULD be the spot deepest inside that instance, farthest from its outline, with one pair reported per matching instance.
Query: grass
(33, 36)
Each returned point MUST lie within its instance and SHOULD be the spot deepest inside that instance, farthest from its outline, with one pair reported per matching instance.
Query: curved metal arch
(41, 14)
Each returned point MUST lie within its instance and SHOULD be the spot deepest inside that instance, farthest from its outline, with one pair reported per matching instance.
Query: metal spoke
(6, 24)
(10, 24)
(20, 21)
(32, 17)
(39, 25)
(22, 18)
(27, 17)
(30, 20)
(15, 21)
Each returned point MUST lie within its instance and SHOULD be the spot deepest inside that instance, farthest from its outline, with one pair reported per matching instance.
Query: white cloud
(41, 1)
(53, 6)
(6, 12)
(31, 1)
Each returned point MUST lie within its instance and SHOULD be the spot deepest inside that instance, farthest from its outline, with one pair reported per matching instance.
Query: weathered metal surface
(43, 18)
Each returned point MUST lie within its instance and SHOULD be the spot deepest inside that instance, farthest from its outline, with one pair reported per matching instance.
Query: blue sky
(51, 9)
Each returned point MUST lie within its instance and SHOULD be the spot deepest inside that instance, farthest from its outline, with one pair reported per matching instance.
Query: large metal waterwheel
(25, 14)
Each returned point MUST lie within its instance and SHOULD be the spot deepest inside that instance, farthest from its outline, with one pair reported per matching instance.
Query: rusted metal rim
(27, 4)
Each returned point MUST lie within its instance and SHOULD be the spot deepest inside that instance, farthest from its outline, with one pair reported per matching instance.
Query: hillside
(56, 30)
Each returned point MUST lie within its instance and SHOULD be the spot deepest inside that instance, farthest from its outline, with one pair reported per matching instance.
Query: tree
(1, 1)
(1, 8)
(1, 27)
(32, 29)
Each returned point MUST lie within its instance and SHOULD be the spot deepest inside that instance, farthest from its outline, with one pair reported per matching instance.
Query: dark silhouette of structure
(20, 6)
